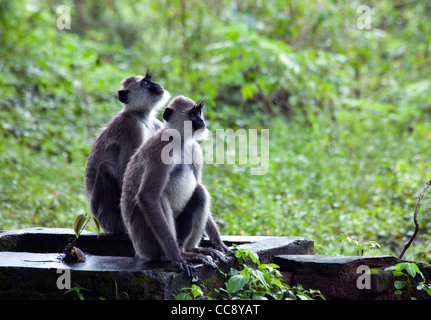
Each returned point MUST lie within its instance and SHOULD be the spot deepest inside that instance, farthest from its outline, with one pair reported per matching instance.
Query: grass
(359, 174)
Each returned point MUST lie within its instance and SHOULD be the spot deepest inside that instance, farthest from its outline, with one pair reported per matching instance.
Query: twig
(415, 219)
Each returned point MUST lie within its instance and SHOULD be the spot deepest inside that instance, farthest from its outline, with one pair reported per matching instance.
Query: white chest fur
(180, 187)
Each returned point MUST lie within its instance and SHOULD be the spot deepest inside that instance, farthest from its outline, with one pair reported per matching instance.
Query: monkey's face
(140, 92)
(149, 85)
(183, 110)
(196, 117)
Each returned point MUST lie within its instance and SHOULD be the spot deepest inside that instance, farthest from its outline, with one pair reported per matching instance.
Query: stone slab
(270, 247)
(29, 265)
(343, 277)
(303, 264)
(91, 263)
(53, 240)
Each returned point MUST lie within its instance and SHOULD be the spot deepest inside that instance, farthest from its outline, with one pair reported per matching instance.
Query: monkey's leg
(105, 201)
(149, 245)
(190, 225)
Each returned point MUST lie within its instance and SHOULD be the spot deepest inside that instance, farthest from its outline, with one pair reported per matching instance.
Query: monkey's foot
(219, 245)
(187, 267)
(198, 257)
(213, 253)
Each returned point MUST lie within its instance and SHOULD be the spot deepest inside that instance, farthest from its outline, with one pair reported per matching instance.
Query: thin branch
(415, 219)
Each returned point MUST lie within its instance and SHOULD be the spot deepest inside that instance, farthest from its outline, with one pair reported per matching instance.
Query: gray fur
(114, 146)
(156, 196)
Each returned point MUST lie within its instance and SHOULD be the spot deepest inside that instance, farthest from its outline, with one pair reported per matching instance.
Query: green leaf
(261, 276)
(425, 287)
(96, 222)
(398, 273)
(278, 283)
(411, 270)
(79, 223)
(414, 265)
(399, 284)
(196, 291)
(236, 283)
(254, 257)
(183, 296)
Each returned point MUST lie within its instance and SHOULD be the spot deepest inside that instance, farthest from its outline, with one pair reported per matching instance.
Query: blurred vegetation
(348, 109)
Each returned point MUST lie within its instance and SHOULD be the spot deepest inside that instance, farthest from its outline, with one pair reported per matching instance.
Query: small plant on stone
(361, 248)
(406, 272)
(72, 253)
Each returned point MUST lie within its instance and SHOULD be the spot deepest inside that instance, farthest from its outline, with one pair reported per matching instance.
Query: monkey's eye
(195, 113)
(145, 82)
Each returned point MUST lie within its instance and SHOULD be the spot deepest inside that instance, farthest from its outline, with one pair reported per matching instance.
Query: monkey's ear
(122, 96)
(167, 114)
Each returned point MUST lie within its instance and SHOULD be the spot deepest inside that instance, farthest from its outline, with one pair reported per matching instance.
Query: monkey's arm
(149, 199)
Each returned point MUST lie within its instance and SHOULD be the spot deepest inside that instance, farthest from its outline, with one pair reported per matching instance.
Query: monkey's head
(182, 110)
(141, 93)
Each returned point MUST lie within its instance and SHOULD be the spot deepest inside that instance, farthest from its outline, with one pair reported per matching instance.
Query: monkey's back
(112, 150)
(115, 141)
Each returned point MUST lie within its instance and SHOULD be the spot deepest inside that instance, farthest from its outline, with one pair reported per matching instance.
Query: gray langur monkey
(116, 143)
(165, 207)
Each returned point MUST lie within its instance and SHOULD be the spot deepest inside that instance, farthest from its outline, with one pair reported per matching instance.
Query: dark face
(195, 116)
(150, 85)
(138, 90)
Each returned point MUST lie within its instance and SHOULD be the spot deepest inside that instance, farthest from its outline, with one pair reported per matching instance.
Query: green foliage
(81, 222)
(193, 293)
(407, 271)
(72, 253)
(348, 109)
(251, 283)
(255, 281)
(77, 291)
(361, 248)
